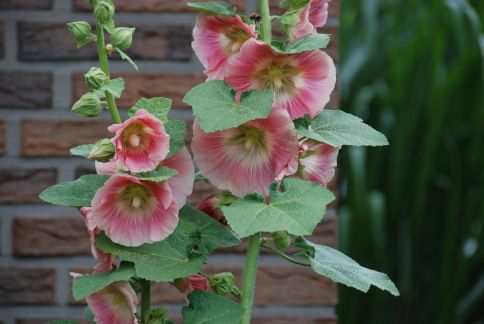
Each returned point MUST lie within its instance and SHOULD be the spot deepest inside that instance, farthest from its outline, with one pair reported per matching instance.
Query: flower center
(278, 73)
(136, 197)
(249, 144)
(135, 137)
(134, 140)
(233, 38)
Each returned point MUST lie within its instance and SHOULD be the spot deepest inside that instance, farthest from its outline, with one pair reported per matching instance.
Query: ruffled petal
(317, 162)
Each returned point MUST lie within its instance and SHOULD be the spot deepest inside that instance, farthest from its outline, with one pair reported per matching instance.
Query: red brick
(151, 5)
(19, 186)
(3, 137)
(56, 137)
(20, 89)
(164, 293)
(173, 86)
(50, 236)
(26, 4)
(27, 286)
(39, 41)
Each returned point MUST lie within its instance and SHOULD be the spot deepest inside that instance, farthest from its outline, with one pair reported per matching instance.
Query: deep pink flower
(311, 16)
(114, 304)
(302, 82)
(246, 158)
(132, 211)
(106, 260)
(217, 40)
(317, 162)
(192, 283)
(182, 184)
(141, 142)
(211, 206)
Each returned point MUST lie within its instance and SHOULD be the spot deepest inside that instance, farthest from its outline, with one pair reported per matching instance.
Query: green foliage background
(414, 70)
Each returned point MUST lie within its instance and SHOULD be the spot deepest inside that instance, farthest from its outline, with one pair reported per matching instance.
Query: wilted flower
(246, 158)
(217, 40)
(317, 162)
(141, 142)
(310, 17)
(132, 211)
(192, 283)
(302, 82)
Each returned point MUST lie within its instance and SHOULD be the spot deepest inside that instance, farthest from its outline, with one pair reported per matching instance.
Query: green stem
(265, 32)
(145, 301)
(248, 286)
(103, 60)
(285, 256)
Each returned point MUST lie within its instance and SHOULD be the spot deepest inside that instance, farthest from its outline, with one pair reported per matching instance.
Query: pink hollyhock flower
(302, 82)
(211, 206)
(140, 142)
(132, 212)
(106, 260)
(311, 16)
(182, 184)
(217, 40)
(107, 168)
(247, 158)
(317, 162)
(192, 283)
(114, 304)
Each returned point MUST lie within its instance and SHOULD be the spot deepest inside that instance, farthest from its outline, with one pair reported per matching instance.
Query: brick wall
(40, 77)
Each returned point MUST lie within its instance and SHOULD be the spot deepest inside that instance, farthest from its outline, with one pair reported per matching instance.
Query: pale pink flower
(114, 304)
(311, 16)
(302, 82)
(107, 168)
(217, 40)
(141, 142)
(317, 162)
(132, 211)
(182, 184)
(247, 158)
(192, 283)
(106, 260)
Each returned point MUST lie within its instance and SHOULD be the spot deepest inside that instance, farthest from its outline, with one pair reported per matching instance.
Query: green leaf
(82, 150)
(338, 128)
(306, 43)
(128, 59)
(78, 193)
(213, 8)
(214, 104)
(158, 106)
(208, 308)
(341, 268)
(297, 209)
(293, 4)
(88, 314)
(114, 87)
(211, 234)
(177, 130)
(87, 285)
(161, 173)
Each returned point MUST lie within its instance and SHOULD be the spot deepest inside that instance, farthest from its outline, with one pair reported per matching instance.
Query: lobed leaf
(161, 173)
(208, 308)
(213, 8)
(337, 128)
(114, 87)
(158, 106)
(297, 209)
(177, 130)
(215, 107)
(303, 44)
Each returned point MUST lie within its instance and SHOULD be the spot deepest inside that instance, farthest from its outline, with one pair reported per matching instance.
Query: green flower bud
(223, 284)
(81, 31)
(122, 37)
(95, 78)
(102, 151)
(104, 12)
(88, 105)
(282, 239)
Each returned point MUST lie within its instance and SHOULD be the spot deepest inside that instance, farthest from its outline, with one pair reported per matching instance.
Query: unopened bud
(88, 105)
(282, 239)
(80, 31)
(109, 48)
(122, 37)
(102, 151)
(95, 78)
(223, 284)
(104, 12)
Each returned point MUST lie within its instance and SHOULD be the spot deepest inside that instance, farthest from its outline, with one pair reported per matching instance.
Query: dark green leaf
(208, 308)
(82, 150)
(88, 314)
(87, 285)
(215, 107)
(158, 106)
(177, 130)
(78, 193)
(213, 8)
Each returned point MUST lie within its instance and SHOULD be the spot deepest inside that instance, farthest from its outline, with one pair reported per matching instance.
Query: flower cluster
(248, 158)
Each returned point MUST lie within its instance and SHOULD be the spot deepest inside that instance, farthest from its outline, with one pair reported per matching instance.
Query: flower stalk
(145, 301)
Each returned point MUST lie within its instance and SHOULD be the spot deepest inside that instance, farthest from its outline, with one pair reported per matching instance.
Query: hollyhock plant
(317, 162)
(217, 40)
(247, 158)
(114, 304)
(310, 17)
(192, 283)
(141, 142)
(302, 82)
(132, 211)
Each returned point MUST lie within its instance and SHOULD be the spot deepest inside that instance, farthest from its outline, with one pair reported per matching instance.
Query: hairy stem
(265, 32)
(248, 286)
(285, 256)
(145, 301)
(103, 60)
